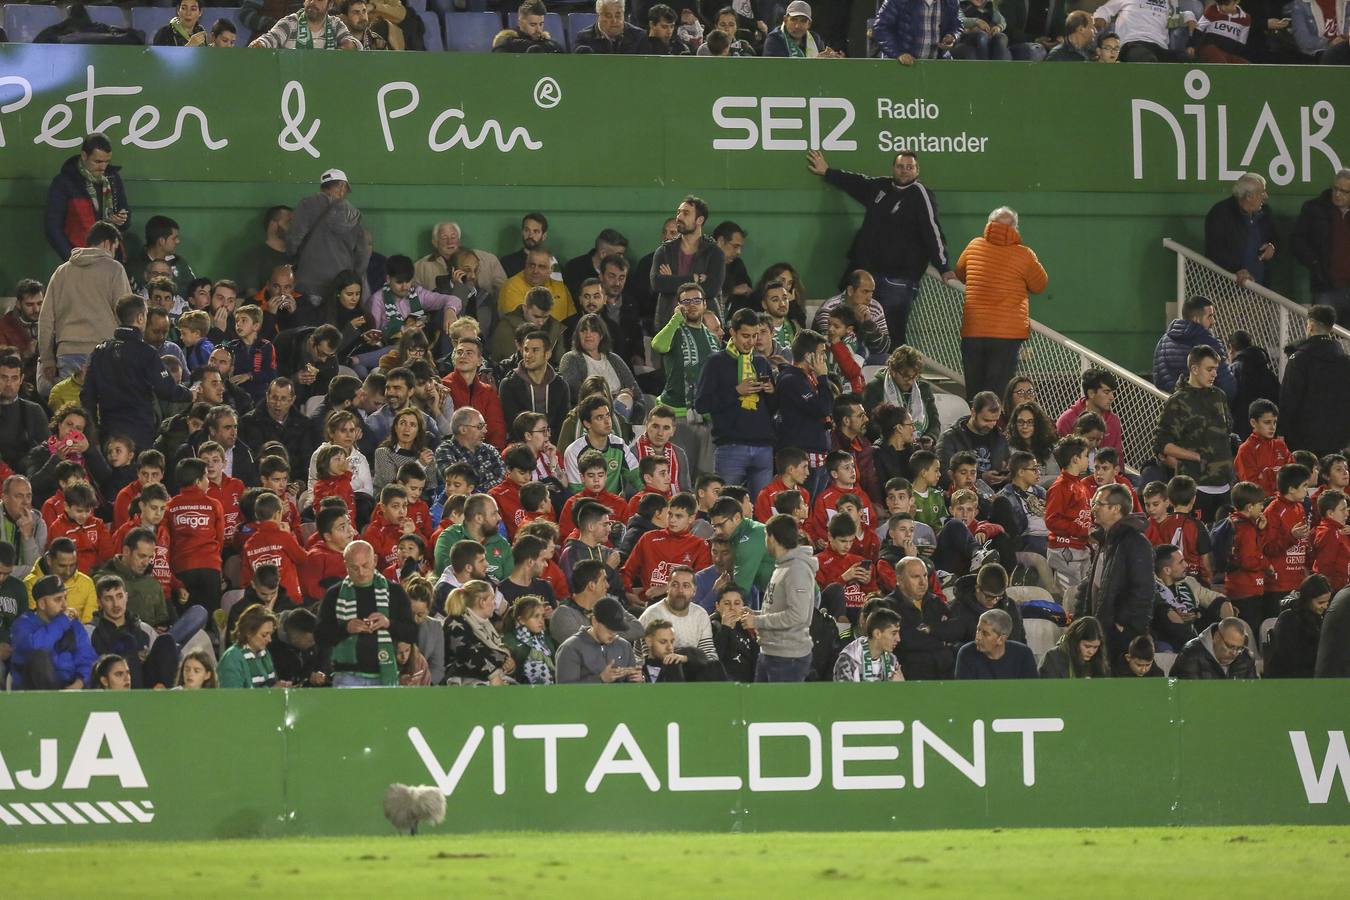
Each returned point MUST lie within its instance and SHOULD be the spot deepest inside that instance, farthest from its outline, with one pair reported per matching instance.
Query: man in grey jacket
(327, 237)
(597, 654)
(784, 621)
(78, 311)
(692, 256)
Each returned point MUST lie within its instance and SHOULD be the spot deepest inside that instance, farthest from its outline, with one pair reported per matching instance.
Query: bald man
(361, 619)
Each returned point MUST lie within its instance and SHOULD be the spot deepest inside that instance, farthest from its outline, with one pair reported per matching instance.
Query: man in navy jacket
(736, 390)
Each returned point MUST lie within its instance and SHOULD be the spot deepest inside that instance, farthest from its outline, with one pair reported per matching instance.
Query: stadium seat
(418, 6)
(950, 408)
(870, 372)
(1266, 627)
(471, 32)
(230, 598)
(1042, 635)
(577, 23)
(1026, 593)
(553, 24)
(23, 22)
(149, 19)
(109, 15)
(435, 39)
(454, 6)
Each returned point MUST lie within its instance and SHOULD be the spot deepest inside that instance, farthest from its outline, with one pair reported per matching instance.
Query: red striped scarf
(646, 448)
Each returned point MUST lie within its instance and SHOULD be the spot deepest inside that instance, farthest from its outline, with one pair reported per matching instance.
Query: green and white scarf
(100, 190)
(885, 661)
(304, 38)
(797, 52)
(345, 652)
(180, 29)
(393, 319)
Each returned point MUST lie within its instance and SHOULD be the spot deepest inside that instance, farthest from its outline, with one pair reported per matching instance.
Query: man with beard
(691, 256)
(533, 233)
(978, 433)
(536, 274)
(19, 326)
(272, 251)
(309, 29)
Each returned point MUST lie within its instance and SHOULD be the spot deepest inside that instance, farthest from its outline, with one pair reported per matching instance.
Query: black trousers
(203, 587)
(988, 363)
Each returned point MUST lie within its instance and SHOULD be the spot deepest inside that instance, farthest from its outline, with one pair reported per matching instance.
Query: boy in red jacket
(1171, 520)
(224, 488)
(843, 480)
(793, 470)
(93, 543)
(553, 573)
(147, 511)
(1331, 541)
(837, 564)
(1068, 513)
(413, 477)
(1262, 454)
(323, 561)
(388, 523)
(1287, 536)
(149, 470)
(1245, 585)
(519, 463)
(655, 480)
(865, 541)
(1333, 474)
(68, 473)
(647, 569)
(274, 474)
(593, 473)
(273, 543)
(196, 534)
(1106, 470)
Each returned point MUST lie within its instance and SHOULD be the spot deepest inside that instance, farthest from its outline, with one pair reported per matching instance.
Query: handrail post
(1181, 286)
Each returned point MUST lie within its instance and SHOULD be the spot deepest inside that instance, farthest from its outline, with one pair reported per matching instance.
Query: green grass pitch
(1231, 862)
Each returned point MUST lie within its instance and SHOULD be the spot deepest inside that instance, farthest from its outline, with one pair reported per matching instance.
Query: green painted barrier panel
(182, 114)
(720, 758)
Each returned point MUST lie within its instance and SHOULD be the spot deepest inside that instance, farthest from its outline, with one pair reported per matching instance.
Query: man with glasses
(466, 444)
(980, 591)
(1218, 652)
(754, 563)
(685, 344)
(1019, 509)
(900, 234)
(1099, 396)
(469, 387)
(1118, 589)
(899, 385)
(1321, 242)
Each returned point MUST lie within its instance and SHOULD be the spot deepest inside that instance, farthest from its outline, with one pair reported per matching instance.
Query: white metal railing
(1273, 320)
(1054, 362)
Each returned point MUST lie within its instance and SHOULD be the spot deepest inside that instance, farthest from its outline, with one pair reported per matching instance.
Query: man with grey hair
(1321, 242)
(21, 525)
(1118, 589)
(467, 444)
(610, 33)
(446, 240)
(1240, 231)
(999, 273)
(1219, 652)
(991, 655)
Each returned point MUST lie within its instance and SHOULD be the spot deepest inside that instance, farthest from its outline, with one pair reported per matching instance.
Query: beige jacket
(81, 296)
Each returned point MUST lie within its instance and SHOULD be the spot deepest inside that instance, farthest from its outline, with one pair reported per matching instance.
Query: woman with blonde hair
(899, 385)
(474, 651)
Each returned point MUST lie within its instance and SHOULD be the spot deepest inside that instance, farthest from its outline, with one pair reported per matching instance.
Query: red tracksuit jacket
(615, 503)
(1189, 536)
(657, 552)
(832, 567)
(271, 544)
(1331, 554)
(1288, 555)
(322, 563)
(122, 504)
(818, 525)
(196, 527)
(228, 493)
(420, 513)
(160, 567)
(1091, 481)
(383, 536)
(1258, 461)
(1068, 511)
(335, 486)
(507, 495)
(53, 508)
(1247, 563)
(636, 500)
(764, 502)
(93, 543)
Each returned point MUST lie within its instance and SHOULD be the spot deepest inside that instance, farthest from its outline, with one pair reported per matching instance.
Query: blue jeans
(745, 464)
(896, 296)
(192, 620)
(352, 680)
(782, 669)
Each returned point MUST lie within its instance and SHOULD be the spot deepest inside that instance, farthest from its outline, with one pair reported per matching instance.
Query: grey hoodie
(582, 658)
(78, 312)
(784, 624)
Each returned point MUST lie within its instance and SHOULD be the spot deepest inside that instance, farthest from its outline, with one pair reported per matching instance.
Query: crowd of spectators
(344, 465)
(1305, 31)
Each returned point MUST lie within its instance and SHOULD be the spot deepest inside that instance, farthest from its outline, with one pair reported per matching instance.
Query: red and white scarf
(646, 448)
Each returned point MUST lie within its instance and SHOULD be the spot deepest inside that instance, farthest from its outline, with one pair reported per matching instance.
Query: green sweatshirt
(930, 508)
(499, 559)
(754, 565)
(684, 349)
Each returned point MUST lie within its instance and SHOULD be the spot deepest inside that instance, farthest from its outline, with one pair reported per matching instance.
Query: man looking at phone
(88, 189)
(978, 433)
(276, 419)
(597, 654)
(737, 391)
(440, 262)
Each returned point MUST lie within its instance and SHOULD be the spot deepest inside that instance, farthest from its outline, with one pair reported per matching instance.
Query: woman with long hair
(895, 443)
(592, 354)
(1031, 429)
(1292, 650)
(474, 651)
(196, 671)
(1080, 653)
(528, 639)
(407, 442)
(781, 272)
(344, 311)
(1020, 390)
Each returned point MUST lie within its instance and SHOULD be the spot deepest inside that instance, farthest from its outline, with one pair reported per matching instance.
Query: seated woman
(246, 663)
(184, 29)
(1079, 654)
(591, 355)
(68, 441)
(110, 673)
(528, 639)
(1031, 429)
(1292, 650)
(895, 443)
(474, 651)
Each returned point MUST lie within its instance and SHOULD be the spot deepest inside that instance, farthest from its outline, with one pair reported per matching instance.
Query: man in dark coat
(1333, 646)
(1119, 588)
(1312, 417)
(87, 190)
(125, 376)
(1240, 231)
(1219, 652)
(928, 629)
(1183, 335)
(981, 591)
(1321, 242)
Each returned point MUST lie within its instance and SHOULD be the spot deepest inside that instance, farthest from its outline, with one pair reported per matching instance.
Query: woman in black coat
(1292, 649)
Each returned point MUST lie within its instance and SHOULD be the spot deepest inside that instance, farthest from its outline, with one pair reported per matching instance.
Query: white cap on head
(799, 8)
(331, 175)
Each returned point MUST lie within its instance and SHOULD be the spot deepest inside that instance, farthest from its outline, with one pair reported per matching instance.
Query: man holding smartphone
(88, 189)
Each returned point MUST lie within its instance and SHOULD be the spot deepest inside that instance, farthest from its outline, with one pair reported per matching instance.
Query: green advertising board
(184, 114)
(691, 757)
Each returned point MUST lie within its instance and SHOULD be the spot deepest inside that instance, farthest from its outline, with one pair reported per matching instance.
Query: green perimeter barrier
(217, 764)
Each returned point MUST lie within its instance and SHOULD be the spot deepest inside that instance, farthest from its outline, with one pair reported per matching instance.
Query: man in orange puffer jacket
(999, 273)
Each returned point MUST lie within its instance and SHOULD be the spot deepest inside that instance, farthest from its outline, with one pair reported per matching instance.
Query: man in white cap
(794, 38)
(326, 237)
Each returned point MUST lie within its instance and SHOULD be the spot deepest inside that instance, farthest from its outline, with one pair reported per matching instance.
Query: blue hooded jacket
(65, 638)
(1169, 357)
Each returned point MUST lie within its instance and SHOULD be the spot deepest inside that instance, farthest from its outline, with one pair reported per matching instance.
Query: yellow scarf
(745, 370)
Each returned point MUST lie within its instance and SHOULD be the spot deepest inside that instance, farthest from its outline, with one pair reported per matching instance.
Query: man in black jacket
(1119, 586)
(278, 420)
(900, 234)
(1240, 231)
(1218, 652)
(981, 591)
(22, 422)
(1321, 241)
(928, 630)
(610, 33)
(125, 376)
(690, 256)
(529, 35)
(1312, 417)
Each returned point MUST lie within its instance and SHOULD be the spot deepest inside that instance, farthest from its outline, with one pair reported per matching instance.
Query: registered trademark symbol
(547, 93)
